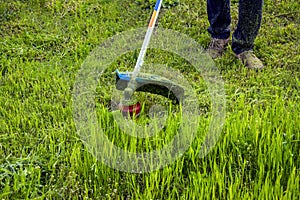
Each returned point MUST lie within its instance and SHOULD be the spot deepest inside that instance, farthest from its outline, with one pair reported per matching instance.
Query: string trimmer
(135, 81)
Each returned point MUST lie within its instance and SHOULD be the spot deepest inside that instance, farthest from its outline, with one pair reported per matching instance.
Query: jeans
(250, 14)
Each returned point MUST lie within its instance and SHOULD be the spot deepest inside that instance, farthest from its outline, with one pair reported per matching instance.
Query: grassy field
(43, 45)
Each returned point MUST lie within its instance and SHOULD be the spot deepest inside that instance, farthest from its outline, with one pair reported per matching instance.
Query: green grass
(42, 46)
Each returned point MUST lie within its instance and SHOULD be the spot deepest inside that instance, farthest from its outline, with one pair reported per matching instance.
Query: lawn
(43, 46)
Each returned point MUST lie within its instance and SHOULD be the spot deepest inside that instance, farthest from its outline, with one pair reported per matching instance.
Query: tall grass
(43, 44)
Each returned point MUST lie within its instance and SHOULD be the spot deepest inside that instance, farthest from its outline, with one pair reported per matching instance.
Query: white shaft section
(142, 54)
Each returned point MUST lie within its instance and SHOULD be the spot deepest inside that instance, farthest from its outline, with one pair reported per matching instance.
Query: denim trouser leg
(219, 18)
(250, 14)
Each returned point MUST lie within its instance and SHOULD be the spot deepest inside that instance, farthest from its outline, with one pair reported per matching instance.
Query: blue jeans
(250, 14)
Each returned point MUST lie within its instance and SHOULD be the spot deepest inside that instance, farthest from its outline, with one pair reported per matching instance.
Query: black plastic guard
(153, 84)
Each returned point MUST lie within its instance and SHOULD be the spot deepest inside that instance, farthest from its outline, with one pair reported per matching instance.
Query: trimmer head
(153, 84)
(130, 110)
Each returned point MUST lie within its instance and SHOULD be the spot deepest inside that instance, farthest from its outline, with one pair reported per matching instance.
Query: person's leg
(250, 15)
(219, 18)
(218, 12)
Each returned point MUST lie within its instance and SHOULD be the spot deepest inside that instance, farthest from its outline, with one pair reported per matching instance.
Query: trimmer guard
(151, 83)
